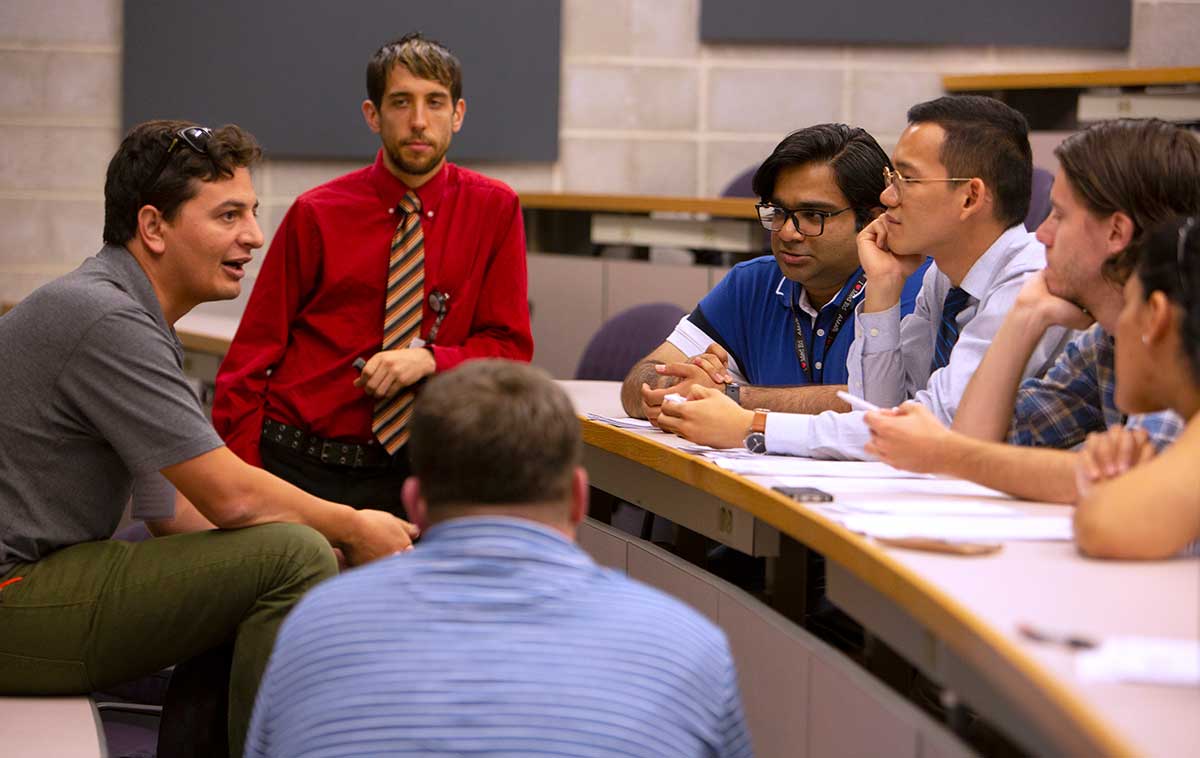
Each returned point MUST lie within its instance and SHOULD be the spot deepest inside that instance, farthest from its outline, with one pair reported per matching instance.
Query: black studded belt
(332, 452)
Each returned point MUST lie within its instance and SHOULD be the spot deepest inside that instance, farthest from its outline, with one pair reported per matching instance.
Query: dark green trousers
(100, 613)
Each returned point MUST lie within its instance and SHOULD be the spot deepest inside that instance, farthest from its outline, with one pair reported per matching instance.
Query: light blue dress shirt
(496, 637)
(889, 361)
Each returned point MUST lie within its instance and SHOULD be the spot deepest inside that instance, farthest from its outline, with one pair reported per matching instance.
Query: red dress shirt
(318, 301)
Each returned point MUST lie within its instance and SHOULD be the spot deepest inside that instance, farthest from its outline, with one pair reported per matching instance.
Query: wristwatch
(756, 440)
(733, 391)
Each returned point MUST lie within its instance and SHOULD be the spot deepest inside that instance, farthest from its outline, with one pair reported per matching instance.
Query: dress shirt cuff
(788, 433)
(879, 331)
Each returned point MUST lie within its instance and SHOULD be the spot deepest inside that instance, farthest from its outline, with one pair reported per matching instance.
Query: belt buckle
(342, 454)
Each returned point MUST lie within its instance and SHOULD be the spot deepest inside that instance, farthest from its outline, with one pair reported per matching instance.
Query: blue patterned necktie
(956, 300)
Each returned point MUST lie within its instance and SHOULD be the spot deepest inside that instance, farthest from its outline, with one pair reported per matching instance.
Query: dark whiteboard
(1049, 23)
(293, 71)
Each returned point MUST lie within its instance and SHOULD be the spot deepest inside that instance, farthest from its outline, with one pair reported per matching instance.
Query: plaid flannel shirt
(1075, 397)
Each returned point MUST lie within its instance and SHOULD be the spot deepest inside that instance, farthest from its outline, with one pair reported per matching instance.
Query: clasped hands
(709, 418)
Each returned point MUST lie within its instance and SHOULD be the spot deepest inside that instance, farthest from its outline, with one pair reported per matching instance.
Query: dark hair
(142, 152)
(856, 158)
(1168, 261)
(1145, 168)
(494, 431)
(424, 58)
(986, 139)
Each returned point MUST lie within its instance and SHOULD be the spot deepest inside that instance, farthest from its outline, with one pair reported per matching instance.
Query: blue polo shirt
(750, 314)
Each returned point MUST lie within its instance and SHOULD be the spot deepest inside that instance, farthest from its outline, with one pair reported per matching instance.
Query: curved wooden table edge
(962, 631)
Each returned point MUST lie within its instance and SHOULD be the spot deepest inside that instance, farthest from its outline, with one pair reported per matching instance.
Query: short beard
(415, 169)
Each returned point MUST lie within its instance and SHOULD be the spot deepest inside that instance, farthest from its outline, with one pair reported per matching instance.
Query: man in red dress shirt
(290, 396)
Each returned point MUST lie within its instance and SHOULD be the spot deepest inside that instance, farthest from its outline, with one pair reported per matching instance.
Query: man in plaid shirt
(1117, 180)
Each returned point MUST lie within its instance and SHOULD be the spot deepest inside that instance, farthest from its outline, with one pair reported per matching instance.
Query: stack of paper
(783, 465)
(1145, 660)
(625, 422)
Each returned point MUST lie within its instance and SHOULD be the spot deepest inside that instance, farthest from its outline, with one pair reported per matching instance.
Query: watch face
(756, 442)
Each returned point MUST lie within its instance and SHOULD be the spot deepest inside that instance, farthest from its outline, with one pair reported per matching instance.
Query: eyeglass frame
(1185, 230)
(888, 180)
(183, 136)
(790, 214)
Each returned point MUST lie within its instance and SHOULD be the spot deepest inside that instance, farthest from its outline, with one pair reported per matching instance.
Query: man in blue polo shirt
(781, 321)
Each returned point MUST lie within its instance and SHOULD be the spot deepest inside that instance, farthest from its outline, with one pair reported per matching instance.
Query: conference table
(955, 618)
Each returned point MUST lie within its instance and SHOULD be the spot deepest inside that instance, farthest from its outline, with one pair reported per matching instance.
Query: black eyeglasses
(807, 221)
(194, 137)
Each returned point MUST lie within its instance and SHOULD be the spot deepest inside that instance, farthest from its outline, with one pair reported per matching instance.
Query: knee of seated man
(305, 556)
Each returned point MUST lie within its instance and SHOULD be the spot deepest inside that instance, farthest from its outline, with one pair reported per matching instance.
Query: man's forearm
(986, 409)
(631, 389)
(816, 398)
(1028, 473)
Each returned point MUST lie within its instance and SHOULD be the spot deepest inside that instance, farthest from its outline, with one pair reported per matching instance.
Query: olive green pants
(100, 613)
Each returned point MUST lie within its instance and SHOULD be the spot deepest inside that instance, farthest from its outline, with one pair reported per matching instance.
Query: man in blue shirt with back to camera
(778, 322)
(497, 635)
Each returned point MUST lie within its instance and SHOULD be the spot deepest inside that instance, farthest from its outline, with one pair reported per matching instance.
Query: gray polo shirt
(92, 398)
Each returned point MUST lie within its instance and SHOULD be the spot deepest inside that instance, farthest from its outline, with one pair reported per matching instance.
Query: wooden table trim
(1057, 710)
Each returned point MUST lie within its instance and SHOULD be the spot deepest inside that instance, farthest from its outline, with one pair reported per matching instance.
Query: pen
(857, 403)
(1041, 634)
(359, 364)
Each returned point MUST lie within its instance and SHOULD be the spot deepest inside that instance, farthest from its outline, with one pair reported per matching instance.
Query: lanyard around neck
(843, 313)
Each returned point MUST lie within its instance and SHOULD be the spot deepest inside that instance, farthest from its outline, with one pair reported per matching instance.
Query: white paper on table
(896, 486)
(961, 528)
(1145, 660)
(784, 465)
(622, 423)
(932, 507)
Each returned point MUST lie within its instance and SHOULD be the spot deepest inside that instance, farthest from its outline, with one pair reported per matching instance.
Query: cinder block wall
(646, 109)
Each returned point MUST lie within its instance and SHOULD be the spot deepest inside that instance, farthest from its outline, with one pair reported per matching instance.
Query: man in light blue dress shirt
(959, 193)
(496, 635)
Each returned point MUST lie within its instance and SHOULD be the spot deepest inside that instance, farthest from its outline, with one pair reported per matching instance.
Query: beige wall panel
(618, 96)
(773, 670)
(606, 546)
(82, 84)
(287, 179)
(596, 28)
(880, 99)
(847, 718)
(61, 158)
(726, 160)
(23, 81)
(1165, 34)
(772, 100)
(666, 28)
(596, 165)
(663, 167)
(629, 283)
(674, 577)
(96, 22)
(567, 310)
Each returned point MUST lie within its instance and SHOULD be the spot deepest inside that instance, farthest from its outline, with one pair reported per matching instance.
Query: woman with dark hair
(1134, 504)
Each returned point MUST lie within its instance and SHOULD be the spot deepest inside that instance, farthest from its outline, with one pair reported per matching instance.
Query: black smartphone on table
(805, 494)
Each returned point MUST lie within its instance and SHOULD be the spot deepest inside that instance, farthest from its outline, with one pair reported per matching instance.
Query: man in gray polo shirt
(95, 407)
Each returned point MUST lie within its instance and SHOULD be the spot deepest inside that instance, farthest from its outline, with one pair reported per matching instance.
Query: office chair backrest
(625, 339)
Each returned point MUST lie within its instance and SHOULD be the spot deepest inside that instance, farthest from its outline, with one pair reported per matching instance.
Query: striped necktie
(402, 317)
(947, 335)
